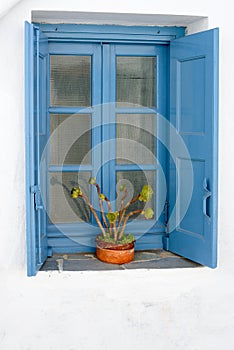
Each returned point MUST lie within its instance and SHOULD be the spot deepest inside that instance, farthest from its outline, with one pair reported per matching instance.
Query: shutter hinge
(37, 197)
(34, 189)
(166, 212)
(165, 239)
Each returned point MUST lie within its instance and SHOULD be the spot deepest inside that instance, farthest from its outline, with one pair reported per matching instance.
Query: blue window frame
(171, 112)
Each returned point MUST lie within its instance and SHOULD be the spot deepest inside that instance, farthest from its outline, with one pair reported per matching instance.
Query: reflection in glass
(70, 80)
(135, 80)
(134, 181)
(76, 127)
(141, 130)
(63, 208)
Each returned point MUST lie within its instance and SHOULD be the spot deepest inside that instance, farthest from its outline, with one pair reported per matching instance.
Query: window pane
(71, 142)
(63, 208)
(134, 181)
(142, 149)
(70, 80)
(135, 81)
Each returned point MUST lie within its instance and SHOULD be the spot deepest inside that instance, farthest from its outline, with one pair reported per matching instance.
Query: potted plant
(113, 245)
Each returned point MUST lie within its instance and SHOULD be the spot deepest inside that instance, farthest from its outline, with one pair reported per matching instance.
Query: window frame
(112, 36)
(92, 34)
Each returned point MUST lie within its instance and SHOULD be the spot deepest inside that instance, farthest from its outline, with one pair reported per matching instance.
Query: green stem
(101, 206)
(102, 213)
(122, 200)
(106, 199)
(109, 205)
(94, 214)
(115, 231)
(110, 231)
(126, 219)
(123, 211)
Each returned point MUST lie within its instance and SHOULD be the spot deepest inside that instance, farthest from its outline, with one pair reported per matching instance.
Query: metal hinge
(165, 212)
(166, 218)
(37, 197)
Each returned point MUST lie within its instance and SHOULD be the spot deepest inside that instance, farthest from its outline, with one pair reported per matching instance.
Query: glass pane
(63, 208)
(134, 181)
(71, 142)
(70, 80)
(135, 81)
(141, 147)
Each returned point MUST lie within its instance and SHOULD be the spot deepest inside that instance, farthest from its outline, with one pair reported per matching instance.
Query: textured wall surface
(189, 309)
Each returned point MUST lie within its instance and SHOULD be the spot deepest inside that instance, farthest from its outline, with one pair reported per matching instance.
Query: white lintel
(191, 23)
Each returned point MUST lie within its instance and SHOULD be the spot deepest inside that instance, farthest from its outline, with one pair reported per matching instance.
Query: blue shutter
(192, 226)
(35, 130)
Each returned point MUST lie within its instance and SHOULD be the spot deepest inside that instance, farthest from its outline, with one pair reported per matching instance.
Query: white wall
(189, 309)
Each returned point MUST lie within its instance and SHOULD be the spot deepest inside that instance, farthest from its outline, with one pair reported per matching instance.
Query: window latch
(37, 197)
(206, 195)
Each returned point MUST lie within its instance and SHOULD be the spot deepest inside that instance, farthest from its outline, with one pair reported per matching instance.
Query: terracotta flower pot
(115, 254)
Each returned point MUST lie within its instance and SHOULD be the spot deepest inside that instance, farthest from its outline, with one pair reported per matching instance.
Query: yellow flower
(122, 188)
(102, 196)
(148, 213)
(76, 192)
(146, 193)
(92, 181)
(112, 217)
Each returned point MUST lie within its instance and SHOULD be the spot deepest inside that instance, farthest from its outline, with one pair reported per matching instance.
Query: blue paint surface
(35, 67)
(194, 113)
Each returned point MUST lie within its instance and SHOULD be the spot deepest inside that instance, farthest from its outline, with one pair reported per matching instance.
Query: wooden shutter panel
(36, 48)
(194, 114)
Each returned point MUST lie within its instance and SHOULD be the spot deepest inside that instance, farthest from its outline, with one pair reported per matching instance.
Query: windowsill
(151, 259)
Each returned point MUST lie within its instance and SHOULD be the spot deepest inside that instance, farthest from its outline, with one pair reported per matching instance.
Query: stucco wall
(160, 309)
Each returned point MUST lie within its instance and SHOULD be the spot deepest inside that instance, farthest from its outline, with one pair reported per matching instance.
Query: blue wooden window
(122, 104)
